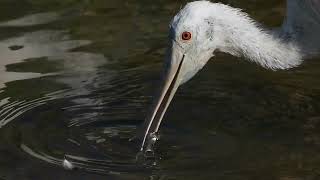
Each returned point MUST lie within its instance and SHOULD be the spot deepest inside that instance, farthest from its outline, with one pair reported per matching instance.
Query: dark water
(77, 77)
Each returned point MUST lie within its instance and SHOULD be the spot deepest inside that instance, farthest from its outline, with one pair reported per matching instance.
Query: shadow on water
(76, 80)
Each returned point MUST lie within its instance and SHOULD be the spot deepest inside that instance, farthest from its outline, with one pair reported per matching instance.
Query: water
(77, 77)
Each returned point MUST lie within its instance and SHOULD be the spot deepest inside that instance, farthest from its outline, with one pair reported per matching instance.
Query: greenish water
(77, 77)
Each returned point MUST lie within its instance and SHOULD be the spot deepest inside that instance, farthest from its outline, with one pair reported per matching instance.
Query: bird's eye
(186, 35)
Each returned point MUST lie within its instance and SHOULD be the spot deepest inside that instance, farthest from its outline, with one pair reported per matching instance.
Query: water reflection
(32, 20)
(51, 44)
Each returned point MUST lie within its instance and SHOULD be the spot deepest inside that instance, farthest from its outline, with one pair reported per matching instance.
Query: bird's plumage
(232, 31)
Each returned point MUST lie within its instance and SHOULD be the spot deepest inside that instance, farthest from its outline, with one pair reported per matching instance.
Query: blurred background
(77, 78)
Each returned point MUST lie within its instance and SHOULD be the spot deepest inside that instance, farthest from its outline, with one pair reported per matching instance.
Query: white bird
(202, 28)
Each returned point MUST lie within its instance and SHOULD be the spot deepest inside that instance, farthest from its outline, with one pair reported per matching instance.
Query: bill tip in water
(148, 147)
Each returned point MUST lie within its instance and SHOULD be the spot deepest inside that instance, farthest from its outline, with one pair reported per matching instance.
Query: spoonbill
(201, 28)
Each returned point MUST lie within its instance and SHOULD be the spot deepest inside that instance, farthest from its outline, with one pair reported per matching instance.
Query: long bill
(169, 86)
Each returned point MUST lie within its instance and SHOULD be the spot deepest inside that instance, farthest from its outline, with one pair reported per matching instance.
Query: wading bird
(202, 28)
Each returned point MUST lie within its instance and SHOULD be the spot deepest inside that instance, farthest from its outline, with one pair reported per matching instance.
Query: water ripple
(10, 111)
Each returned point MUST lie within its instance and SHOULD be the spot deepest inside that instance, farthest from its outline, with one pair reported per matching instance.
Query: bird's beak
(168, 87)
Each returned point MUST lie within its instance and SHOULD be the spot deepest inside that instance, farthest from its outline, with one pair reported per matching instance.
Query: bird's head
(192, 40)
(191, 45)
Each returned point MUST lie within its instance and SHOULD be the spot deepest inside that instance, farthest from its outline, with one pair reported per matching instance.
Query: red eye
(186, 36)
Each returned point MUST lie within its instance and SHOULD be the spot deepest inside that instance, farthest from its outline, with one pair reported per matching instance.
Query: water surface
(77, 78)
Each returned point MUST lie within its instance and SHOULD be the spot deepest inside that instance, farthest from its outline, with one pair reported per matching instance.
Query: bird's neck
(243, 37)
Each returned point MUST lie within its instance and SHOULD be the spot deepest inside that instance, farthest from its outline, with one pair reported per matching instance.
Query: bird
(202, 28)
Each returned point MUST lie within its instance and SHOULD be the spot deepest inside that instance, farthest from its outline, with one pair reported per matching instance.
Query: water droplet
(67, 164)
